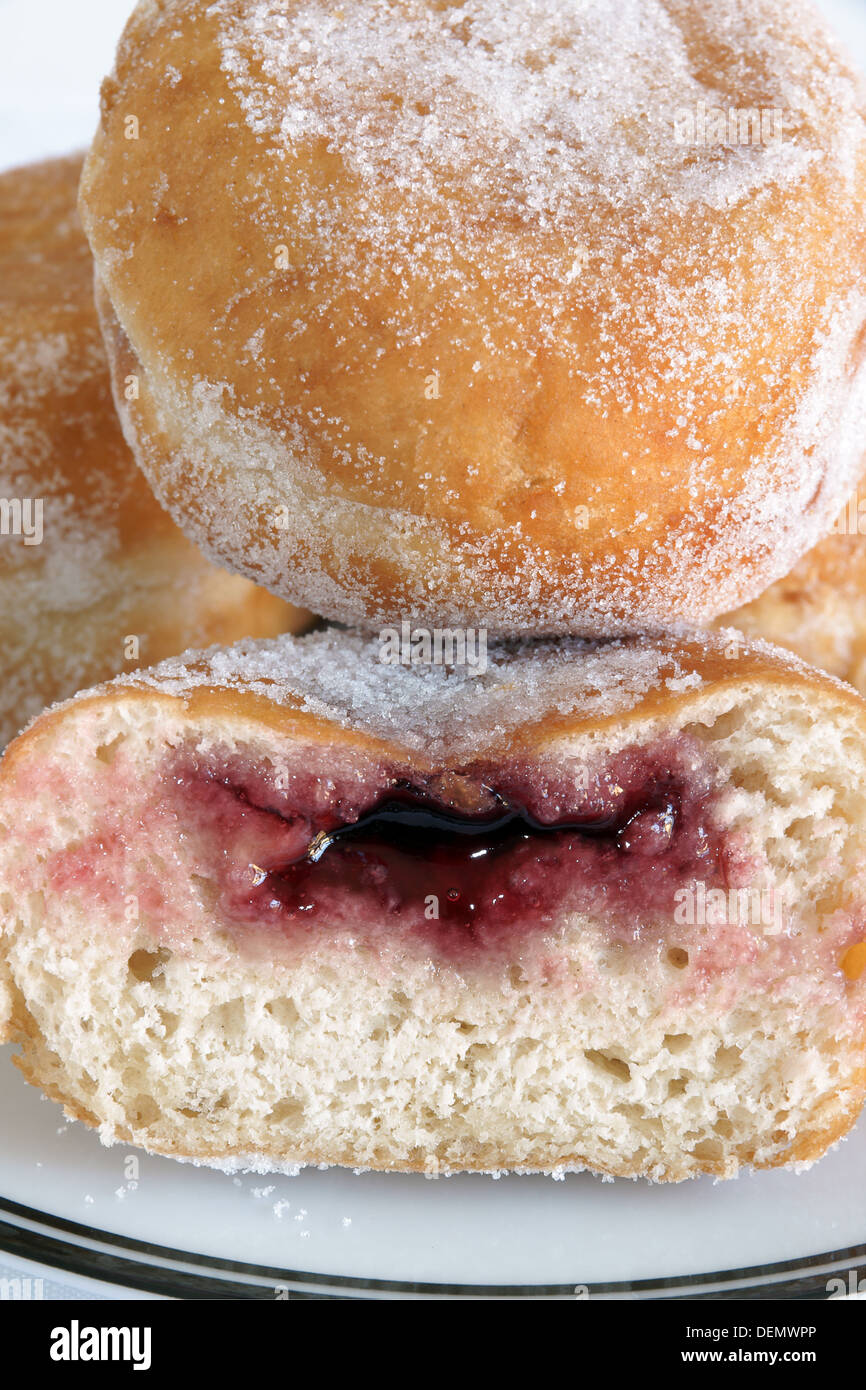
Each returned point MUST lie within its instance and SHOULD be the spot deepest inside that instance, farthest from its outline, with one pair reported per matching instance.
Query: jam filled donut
(94, 576)
(591, 906)
(819, 609)
(544, 318)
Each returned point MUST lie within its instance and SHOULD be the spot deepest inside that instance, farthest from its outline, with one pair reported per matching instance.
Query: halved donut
(596, 906)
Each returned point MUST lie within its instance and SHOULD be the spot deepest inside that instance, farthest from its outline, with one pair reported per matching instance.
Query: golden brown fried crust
(819, 609)
(718, 660)
(514, 445)
(105, 534)
(46, 290)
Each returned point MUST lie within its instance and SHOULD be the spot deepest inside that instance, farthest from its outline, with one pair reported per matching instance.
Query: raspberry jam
(473, 870)
(465, 855)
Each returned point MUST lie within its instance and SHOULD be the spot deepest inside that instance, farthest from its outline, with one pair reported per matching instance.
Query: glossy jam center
(397, 854)
(469, 867)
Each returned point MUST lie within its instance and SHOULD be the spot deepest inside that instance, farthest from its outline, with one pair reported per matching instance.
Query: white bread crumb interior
(578, 1052)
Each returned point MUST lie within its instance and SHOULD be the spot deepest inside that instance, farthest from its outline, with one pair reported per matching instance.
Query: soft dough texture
(168, 983)
(458, 328)
(88, 558)
(819, 609)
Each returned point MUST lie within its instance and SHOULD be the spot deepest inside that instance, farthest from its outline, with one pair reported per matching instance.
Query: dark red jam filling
(466, 854)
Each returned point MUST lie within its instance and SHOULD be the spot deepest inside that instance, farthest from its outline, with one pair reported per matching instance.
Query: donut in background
(819, 609)
(95, 578)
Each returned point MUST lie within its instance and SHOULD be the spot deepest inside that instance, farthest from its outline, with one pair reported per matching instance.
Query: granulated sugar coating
(450, 711)
(533, 107)
(469, 312)
(339, 676)
(59, 445)
(89, 561)
(54, 394)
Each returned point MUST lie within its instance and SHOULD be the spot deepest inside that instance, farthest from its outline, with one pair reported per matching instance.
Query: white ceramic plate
(160, 1227)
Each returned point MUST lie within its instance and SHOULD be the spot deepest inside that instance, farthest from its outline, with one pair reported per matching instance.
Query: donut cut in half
(593, 906)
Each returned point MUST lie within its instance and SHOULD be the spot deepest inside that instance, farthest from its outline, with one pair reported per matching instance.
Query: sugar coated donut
(94, 576)
(546, 317)
(568, 906)
(819, 609)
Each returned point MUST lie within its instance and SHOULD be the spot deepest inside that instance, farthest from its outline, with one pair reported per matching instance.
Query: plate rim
(119, 1263)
